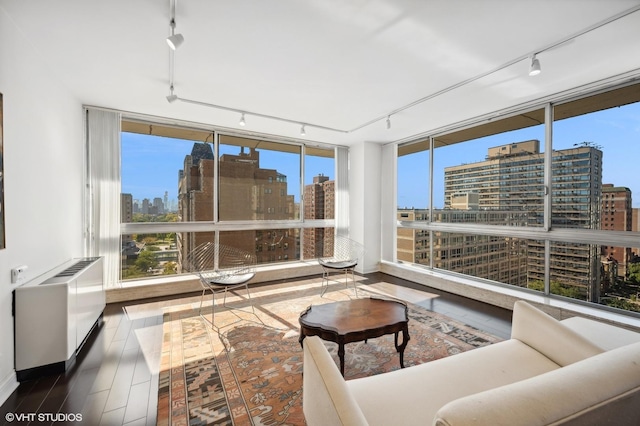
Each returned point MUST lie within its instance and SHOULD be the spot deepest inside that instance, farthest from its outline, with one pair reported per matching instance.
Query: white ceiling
(342, 64)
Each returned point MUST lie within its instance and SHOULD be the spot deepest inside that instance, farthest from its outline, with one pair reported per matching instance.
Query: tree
(170, 268)
(633, 269)
(559, 289)
(146, 260)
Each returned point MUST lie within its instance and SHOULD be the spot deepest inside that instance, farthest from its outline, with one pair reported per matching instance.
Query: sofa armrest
(326, 399)
(604, 389)
(549, 336)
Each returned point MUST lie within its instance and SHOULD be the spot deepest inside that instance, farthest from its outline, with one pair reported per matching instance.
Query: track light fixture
(388, 122)
(174, 40)
(303, 132)
(534, 68)
(172, 97)
(242, 122)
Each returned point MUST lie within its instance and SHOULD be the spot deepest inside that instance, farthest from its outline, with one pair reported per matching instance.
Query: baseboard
(8, 385)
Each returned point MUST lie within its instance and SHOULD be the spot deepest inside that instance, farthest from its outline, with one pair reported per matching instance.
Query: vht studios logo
(43, 417)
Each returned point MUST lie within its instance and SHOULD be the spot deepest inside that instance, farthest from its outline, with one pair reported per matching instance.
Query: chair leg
(246, 286)
(213, 303)
(325, 282)
(353, 280)
(201, 300)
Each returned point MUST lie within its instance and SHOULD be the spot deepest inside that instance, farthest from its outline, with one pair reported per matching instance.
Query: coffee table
(356, 320)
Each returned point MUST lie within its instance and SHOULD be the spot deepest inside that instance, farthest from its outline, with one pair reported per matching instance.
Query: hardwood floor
(114, 380)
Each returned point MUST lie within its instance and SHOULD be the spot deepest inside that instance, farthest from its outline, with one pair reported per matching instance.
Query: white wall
(43, 176)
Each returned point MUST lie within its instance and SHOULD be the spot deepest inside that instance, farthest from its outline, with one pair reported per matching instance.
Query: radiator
(53, 317)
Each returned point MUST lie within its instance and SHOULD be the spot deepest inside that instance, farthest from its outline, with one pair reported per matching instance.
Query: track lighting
(534, 68)
(388, 122)
(303, 132)
(242, 122)
(174, 40)
(172, 98)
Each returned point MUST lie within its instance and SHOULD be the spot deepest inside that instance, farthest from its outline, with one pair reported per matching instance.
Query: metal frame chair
(221, 267)
(346, 255)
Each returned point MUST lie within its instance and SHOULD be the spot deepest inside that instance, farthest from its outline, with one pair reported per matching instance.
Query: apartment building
(250, 193)
(319, 203)
(507, 188)
(617, 215)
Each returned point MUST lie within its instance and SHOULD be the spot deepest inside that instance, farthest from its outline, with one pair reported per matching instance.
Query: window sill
(504, 296)
(170, 285)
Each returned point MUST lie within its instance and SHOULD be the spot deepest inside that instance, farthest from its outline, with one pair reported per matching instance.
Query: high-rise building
(509, 188)
(501, 259)
(319, 203)
(617, 215)
(126, 213)
(247, 192)
(158, 205)
(146, 206)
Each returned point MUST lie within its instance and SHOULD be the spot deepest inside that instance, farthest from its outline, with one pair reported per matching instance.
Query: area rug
(247, 370)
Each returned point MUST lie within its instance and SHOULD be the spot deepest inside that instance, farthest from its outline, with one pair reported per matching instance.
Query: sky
(615, 131)
(150, 164)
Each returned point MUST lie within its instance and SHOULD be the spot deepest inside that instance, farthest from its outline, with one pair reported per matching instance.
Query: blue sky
(616, 131)
(150, 164)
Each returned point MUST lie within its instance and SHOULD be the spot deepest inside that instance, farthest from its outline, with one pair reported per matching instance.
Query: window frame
(173, 129)
(547, 233)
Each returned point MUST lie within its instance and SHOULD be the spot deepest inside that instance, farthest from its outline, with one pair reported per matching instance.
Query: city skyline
(615, 131)
(150, 164)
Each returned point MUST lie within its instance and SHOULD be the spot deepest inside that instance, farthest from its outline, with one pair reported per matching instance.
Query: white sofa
(571, 372)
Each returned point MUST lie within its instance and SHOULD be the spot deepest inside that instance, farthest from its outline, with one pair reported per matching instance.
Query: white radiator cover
(53, 317)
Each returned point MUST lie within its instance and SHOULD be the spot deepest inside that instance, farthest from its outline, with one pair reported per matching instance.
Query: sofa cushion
(326, 399)
(604, 389)
(549, 336)
(413, 395)
(606, 336)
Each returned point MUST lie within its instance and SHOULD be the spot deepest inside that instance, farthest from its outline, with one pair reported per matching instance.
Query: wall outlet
(18, 275)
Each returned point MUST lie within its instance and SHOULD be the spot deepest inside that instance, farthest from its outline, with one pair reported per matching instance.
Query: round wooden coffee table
(356, 320)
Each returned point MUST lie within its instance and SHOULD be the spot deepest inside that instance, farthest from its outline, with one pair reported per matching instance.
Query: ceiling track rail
(386, 117)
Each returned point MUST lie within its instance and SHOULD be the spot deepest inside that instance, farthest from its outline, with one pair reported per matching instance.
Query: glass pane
(259, 180)
(152, 173)
(595, 142)
(269, 245)
(413, 176)
(318, 242)
(575, 271)
(621, 283)
(319, 184)
(497, 167)
(413, 244)
(149, 255)
(501, 259)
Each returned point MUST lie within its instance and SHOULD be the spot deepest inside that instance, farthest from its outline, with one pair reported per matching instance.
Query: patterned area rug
(247, 370)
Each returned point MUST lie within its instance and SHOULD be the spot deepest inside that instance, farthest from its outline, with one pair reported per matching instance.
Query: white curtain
(342, 191)
(103, 191)
(389, 201)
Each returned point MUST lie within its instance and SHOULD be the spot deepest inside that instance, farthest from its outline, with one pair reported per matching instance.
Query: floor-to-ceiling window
(185, 186)
(541, 199)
